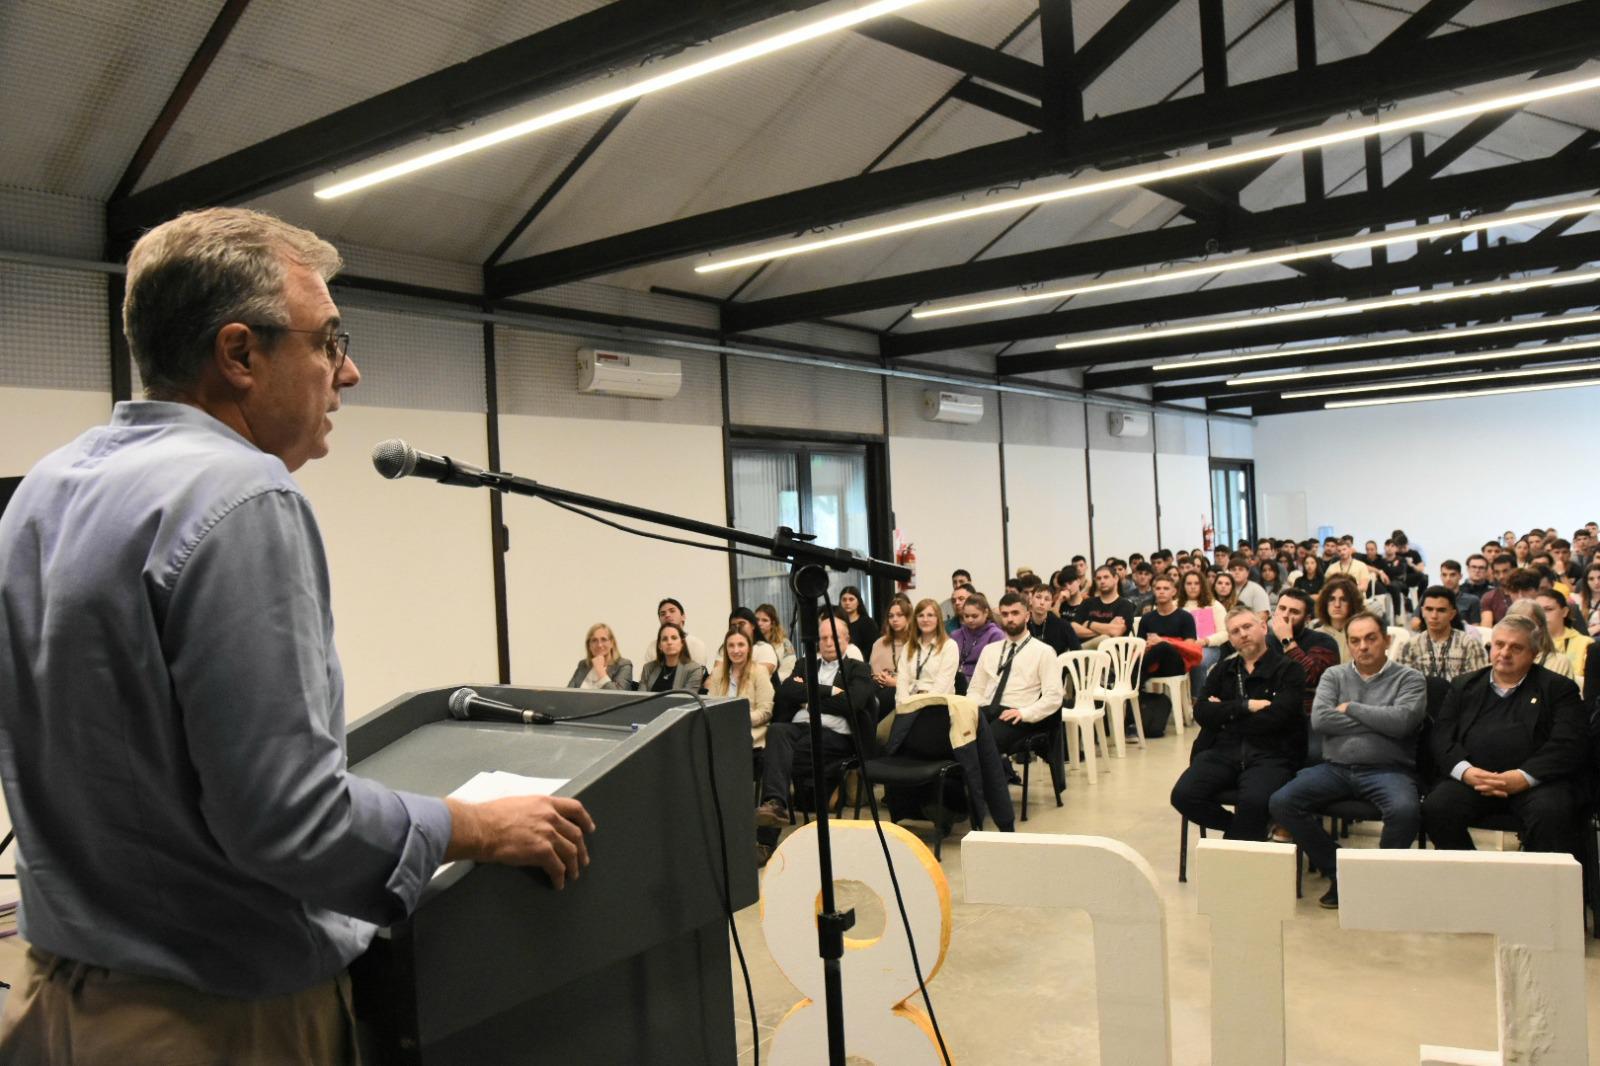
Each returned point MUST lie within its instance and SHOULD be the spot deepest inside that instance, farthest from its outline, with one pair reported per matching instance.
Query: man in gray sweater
(1368, 712)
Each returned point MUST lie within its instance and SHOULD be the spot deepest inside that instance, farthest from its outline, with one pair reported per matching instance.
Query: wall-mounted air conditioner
(939, 405)
(611, 373)
(1129, 424)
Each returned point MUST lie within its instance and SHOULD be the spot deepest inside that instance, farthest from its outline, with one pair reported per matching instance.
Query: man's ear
(230, 355)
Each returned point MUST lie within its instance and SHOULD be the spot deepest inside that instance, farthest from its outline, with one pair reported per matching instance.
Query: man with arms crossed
(1368, 712)
(197, 866)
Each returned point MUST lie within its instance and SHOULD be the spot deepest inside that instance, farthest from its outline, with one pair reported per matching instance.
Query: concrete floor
(1018, 986)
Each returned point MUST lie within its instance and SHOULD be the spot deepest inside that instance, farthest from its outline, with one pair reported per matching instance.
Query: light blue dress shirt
(172, 719)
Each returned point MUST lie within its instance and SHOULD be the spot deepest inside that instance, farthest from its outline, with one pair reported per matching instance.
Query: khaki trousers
(64, 1013)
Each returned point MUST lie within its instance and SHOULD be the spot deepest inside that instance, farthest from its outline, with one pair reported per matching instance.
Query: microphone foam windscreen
(394, 458)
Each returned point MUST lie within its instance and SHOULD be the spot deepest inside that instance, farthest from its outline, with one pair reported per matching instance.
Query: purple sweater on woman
(973, 641)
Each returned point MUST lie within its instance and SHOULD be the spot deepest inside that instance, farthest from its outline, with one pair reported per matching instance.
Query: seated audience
(1339, 600)
(889, 648)
(1477, 581)
(738, 675)
(602, 665)
(762, 653)
(1046, 626)
(1443, 649)
(959, 598)
(670, 610)
(950, 608)
(1070, 594)
(1512, 738)
(1165, 623)
(1290, 632)
(1368, 713)
(1545, 653)
(845, 686)
(1105, 614)
(977, 631)
(1210, 626)
(773, 633)
(1498, 599)
(1566, 569)
(863, 630)
(671, 667)
(1567, 641)
(1016, 682)
(1140, 595)
(1272, 582)
(1469, 607)
(1349, 566)
(1223, 592)
(1309, 579)
(1245, 590)
(1587, 600)
(1252, 733)
(930, 661)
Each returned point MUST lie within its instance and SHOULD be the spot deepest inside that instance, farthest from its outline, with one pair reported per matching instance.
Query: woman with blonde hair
(773, 633)
(1546, 654)
(888, 648)
(1336, 603)
(736, 675)
(930, 660)
(602, 665)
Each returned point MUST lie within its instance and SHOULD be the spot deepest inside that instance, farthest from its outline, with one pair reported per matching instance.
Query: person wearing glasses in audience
(197, 864)
(738, 675)
(602, 666)
(1443, 650)
(671, 667)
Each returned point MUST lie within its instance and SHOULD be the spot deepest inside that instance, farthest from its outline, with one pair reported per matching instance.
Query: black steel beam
(968, 57)
(1482, 53)
(1293, 224)
(1261, 407)
(1305, 47)
(206, 54)
(1424, 318)
(1377, 280)
(1133, 20)
(1004, 104)
(1063, 96)
(618, 35)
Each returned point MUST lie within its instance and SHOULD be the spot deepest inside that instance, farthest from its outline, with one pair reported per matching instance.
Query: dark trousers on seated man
(1010, 736)
(1393, 791)
(1255, 777)
(1551, 815)
(788, 759)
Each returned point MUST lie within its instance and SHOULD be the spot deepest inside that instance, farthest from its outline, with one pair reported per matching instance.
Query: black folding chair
(930, 731)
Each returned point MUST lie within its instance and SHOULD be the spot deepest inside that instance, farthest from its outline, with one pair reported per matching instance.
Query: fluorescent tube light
(1270, 147)
(1453, 379)
(641, 83)
(1355, 346)
(1335, 310)
(1413, 364)
(1589, 383)
(1380, 239)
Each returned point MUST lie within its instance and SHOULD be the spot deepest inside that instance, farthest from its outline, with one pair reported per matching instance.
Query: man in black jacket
(1252, 733)
(847, 702)
(1513, 738)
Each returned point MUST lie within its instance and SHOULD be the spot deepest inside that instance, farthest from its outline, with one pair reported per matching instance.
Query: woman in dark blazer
(672, 668)
(602, 667)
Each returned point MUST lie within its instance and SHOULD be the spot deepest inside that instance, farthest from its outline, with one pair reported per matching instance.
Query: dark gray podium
(630, 963)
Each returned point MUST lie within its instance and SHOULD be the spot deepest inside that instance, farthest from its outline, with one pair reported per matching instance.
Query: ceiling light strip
(1453, 379)
(1413, 364)
(1271, 147)
(647, 80)
(1340, 309)
(1380, 239)
(1508, 390)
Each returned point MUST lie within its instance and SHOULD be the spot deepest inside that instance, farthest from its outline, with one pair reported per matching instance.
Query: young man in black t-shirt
(1105, 614)
(1164, 622)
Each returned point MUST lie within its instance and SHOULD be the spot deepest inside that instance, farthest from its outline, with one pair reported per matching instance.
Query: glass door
(1233, 493)
(819, 489)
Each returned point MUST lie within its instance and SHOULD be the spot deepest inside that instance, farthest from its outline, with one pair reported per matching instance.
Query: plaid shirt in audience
(1461, 653)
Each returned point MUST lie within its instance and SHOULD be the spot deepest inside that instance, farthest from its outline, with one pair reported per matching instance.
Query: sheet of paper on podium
(486, 785)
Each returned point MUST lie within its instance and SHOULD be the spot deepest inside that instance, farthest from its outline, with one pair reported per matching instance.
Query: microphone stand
(809, 563)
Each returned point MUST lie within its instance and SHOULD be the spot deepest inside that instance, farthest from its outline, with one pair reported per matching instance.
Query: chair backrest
(1126, 655)
(1087, 670)
(1398, 635)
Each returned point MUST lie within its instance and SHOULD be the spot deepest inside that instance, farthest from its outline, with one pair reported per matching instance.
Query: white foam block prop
(1531, 903)
(1247, 889)
(876, 974)
(1117, 887)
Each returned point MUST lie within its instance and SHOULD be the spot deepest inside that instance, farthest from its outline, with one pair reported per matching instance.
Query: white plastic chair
(1082, 720)
(1177, 690)
(1122, 690)
(1398, 635)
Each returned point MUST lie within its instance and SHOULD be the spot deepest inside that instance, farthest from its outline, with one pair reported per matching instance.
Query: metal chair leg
(1026, 765)
(1183, 851)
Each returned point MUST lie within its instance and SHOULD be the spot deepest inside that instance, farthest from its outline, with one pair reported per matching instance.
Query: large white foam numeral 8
(880, 1025)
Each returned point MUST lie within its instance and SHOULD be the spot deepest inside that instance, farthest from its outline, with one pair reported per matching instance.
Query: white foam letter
(1247, 888)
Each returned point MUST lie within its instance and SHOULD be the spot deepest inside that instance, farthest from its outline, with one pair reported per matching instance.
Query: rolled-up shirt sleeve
(249, 638)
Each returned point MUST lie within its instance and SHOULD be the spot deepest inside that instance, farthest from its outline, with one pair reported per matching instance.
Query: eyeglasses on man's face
(335, 344)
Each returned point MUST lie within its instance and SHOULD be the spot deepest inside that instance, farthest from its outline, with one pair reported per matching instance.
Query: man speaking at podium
(197, 866)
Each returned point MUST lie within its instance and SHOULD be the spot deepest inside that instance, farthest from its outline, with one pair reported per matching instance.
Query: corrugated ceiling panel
(53, 331)
(788, 396)
(407, 267)
(1037, 420)
(822, 336)
(51, 224)
(285, 65)
(616, 300)
(81, 84)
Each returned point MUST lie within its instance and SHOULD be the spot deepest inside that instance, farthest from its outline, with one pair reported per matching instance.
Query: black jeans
(1212, 773)
(1550, 815)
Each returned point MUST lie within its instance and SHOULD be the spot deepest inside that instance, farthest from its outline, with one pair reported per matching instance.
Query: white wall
(35, 422)
(1452, 473)
(1047, 492)
(1122, 486)
(947, 503)
(1183, 479)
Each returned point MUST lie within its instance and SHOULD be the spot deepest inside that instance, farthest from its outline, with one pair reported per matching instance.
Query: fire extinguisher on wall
(1207, 534)
(907, 556)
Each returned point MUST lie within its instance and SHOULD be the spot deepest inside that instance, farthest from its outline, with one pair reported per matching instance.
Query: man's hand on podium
(542, 831)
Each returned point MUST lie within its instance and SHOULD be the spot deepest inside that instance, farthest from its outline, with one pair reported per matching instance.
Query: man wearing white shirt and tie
(1016, 681)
